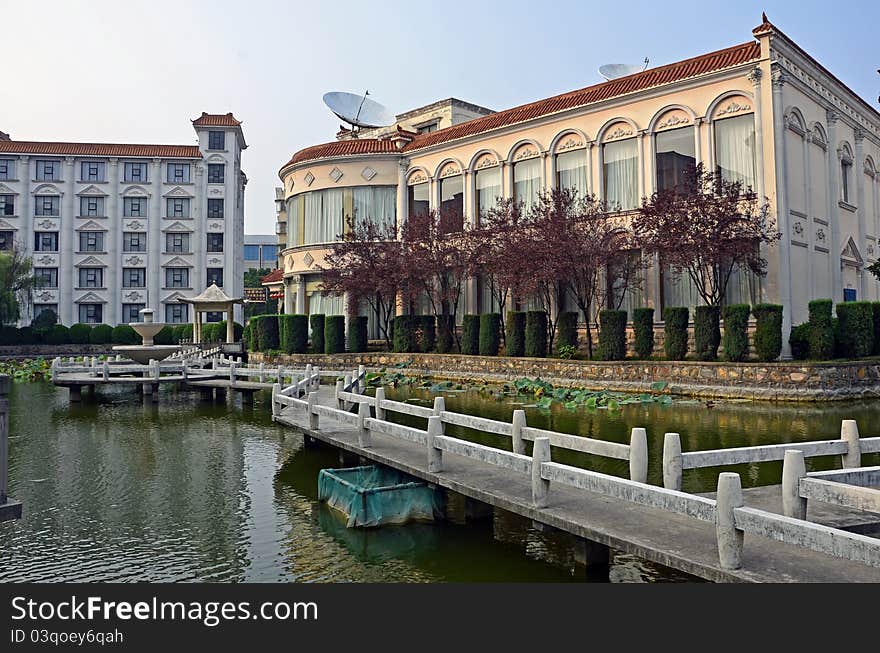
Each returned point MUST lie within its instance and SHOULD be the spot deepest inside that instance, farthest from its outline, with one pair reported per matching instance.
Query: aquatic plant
(573, 398)
(29, 369)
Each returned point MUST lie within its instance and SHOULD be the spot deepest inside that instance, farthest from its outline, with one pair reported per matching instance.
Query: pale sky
(137, 72)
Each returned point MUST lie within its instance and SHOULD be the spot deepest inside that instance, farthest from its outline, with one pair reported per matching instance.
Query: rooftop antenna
(616, 70)
(358, 111)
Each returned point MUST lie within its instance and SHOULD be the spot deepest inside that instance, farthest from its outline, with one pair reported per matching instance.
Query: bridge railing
(849, 446)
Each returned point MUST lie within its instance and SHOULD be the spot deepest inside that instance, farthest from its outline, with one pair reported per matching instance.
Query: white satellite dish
(616, 70)
(358, 110)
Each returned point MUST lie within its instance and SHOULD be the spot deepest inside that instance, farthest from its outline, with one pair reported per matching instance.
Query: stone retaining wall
(787, 381)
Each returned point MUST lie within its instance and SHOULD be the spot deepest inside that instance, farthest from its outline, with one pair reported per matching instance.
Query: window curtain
(376, 203)
(735, 149)
(294, 222)
(571, 171)
(620, 163)
(319, 303)
(331, 215)
(312, 217)
(488, 189)
(679, 290)
(527, 182)
(744, 287)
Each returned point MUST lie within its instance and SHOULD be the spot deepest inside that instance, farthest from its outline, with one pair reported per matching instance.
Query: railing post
(364, 439)
(105, 371)
(439, 406)
(276, 406)
(638, 455)
(340, 404)
(435, 455)
(232, 374)
(316, 382)
(156, 370)
(313, 416)
(540, 486)
(793, 470)
(730, 539)
(56, 362)
(279, 377)
(262, 368)
(362, 380)
(4, 438)
(184, 369)
(380, 397)
(672, 461)
(308, 376)
(518, 422)
(346, 387)
(849, 433)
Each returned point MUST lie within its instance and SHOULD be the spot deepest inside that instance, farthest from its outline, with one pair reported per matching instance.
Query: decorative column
(195, 323)
(300, 282)
(859, 174)
(230, 323)
(643, 164)
(833, 154)
(154, 245)
(113, 246)
(808, 209)
(698, 139)
(66, 246)
(782, 216)
(26, 235)
(289, 299)
(402, 166)
(591, 185)
(755, 78)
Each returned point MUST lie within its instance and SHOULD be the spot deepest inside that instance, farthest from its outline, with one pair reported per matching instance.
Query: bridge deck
(675, 541)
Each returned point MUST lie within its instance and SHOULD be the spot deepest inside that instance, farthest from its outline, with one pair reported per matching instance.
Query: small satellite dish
(615, 70)
(358, 110)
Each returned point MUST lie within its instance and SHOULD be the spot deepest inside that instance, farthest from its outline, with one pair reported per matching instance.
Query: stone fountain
(147, 330)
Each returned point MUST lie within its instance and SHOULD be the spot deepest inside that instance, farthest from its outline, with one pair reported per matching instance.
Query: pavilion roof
(211, 296)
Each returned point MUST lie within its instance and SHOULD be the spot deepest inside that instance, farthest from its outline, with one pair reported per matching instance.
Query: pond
(117, 490)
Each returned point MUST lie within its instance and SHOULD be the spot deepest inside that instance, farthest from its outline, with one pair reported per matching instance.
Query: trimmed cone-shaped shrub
(675, 333)
(515, 333)
(445, 334)
(9, 335)
(125, 335)
(856, 329)
(79, 334)
(404, 332)
(248, 337)
(334, 334)
(612, 335)
(736, 332)
(357, 333)
(101, 334)
(44, 321)
(768, 331)
(57, 334)
(490, 334)
(643, 330)
(293, 333)
(875, 312)
(427, 332)
(821, 330)
(470, 335)
(264, 332)
(316, 322)
(536, 334)
(707, 332)
(799, 341)
(567, 330)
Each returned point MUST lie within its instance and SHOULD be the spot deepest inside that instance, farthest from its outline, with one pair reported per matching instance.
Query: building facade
(763, 112)
(114, 228)
(260, 251)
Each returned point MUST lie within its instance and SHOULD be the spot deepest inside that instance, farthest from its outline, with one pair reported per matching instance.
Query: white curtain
(743, 288)
(376, 203)
(679, 290)
(326, 305)
(735, 149)
(620, 162)
(312, 218)
(323, 216)
(527, 182)
(571, 171)
(488, 189)
(294, 222)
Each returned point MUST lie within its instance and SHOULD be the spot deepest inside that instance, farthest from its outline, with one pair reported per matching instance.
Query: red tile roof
(216, 120)
(101, 149)
(273, 277)
(689, 68)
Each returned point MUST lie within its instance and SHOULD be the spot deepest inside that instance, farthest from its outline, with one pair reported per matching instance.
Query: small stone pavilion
(212, 299)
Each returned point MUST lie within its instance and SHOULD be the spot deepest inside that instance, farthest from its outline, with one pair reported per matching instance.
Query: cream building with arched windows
(764, 112)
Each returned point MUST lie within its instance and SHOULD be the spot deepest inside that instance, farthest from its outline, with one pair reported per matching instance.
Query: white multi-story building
(114, 228)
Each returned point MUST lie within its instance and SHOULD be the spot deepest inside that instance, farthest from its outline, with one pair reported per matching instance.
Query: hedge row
(854, 333)
(84, 334)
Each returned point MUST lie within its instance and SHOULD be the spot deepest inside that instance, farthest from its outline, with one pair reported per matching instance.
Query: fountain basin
(143, 354)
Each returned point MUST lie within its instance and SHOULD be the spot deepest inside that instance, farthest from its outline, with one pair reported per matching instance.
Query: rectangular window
(177, 277)
(46, 277)
(571, 171)
(676, 158)
(92, 207)
(270, 253)
(91, 313)
(134, 278)
(178, 173)
(620, 162)
(134, 207)
(47, 205)
(845, 169)
(419, 199)
(91, 241)
(527, 181)
(39, 308)
(131, 312)
(177, 243)
(176, 313)
(215, 208)
(216, 140)
(91, 277)
(452, 196)
(7, 238)
(134, 241)
(735, 149)
(251, 252)
(488, 190)
(215, 243)
(216, 173)
(7, 204)
(92, 171)
(135, 172)
(48, 170)
(215, 276)
(45, 241)
(177, 207)
(7, 169)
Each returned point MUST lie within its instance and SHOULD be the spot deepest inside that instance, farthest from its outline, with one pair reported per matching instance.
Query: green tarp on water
(372, 495)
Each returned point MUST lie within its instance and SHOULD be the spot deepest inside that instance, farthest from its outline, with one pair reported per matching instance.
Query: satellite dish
(358, 110)
(615, 70)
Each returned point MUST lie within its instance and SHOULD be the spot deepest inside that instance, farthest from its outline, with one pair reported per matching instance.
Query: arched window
(846, 164)
(488, 185)
(527, 181)
(419, 200)
(452, 194)
(620, 174)
(735, 149)
(571, 171)
(675, 155)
